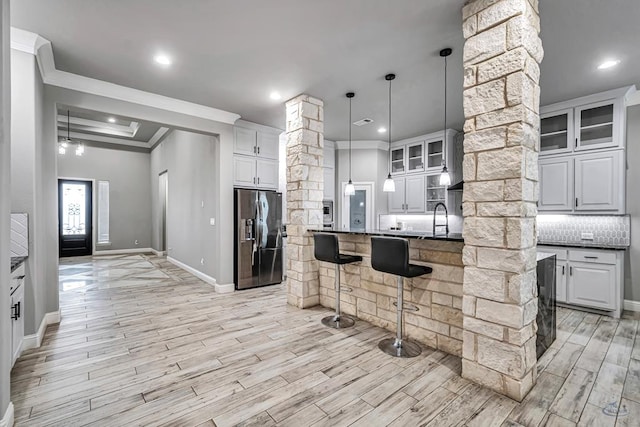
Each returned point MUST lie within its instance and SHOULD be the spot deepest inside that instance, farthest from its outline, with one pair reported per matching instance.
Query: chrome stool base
(404, 348)
(338, 322)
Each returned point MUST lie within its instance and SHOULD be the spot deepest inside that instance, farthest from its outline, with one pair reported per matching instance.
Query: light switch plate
(212, 221)
(586, 236)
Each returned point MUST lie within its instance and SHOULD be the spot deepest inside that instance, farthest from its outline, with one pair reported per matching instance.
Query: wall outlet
(586, 236)
(202, 204)
(136, 242)
(201, 261)
(212, 221)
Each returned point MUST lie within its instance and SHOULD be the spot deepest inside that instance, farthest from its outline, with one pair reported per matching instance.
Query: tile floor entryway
(142, 342)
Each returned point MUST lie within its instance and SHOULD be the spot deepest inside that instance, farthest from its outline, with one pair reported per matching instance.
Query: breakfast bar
(437, 322)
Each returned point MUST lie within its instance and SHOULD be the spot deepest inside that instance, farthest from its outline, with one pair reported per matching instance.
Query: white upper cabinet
(556, 184)
(435, 151)
(244, 171)
(599, 184)
(268, 145)
(597, 126)
(267, 173)
(245, 141)
(397, 198)
(415, 194)
(398, 160)
(415, 157)
(556, 132)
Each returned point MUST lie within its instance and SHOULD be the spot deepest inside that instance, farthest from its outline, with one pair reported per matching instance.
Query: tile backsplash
(581, 230)
(420, 222)
(19, 234)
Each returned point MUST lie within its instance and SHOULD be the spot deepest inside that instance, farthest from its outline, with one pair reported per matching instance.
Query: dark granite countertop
(584, 245)
(409, 234)
(16, 261)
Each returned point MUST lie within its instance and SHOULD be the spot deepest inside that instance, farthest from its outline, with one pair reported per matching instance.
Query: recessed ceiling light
(275, 96)
(162, 59)
(608, 64)
(382, 130)
(111, 119)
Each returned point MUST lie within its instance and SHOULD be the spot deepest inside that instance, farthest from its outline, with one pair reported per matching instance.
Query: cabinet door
(267, 173)
(434, 154)
(415, 194)
(397, 161)
(245, 141)
(329, 183)
(436, 193)
(244, 171)
(556, 184)
(415, 157)
(592, 285)
(595, 126)
(561, 282)
(397, 198)
(598, 181)
(268, 145)
(17, 325)
(556, 132)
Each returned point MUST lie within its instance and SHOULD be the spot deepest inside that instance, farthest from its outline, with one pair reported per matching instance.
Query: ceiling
(108, 129)
(232, 54)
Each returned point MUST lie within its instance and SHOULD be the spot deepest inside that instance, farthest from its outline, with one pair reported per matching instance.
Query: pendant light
(349, 189)
(389, 185)
(64, 144)
(445, 178)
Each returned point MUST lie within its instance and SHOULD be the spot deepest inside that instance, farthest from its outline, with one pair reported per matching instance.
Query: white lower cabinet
(591, 278)
(17, 312)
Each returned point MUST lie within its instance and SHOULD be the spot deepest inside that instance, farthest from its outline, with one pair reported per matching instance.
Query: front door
(74, 217)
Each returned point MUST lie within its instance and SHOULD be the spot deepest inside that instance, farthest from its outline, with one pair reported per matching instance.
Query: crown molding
(257, 126)
(101, 127)
(79, 136)
(34, 44)
(363, 145)
(633, 98)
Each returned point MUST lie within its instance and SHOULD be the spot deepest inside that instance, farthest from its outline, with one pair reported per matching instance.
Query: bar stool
(391, 255)
(326, 249)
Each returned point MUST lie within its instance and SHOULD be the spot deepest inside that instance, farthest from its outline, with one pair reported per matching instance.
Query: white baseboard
(199, 274)
(124, 251)
(158, 253)
(632, 305)
(34, 341)
(226, 288)
(7, 419)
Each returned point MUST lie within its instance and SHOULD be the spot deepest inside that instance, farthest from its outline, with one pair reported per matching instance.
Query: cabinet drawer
(592, 256)
(561, 254)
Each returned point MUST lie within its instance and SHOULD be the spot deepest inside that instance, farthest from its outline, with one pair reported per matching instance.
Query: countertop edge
(424, 235)
(577, 246)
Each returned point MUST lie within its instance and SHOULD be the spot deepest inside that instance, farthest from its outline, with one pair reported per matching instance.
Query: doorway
(75, 226)
(163, 197)
(357, 210)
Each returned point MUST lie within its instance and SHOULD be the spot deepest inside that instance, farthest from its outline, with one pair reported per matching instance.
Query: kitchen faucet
(446, 218)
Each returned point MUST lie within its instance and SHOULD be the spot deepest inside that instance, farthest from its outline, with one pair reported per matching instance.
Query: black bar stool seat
(391, 255)
(326, 249)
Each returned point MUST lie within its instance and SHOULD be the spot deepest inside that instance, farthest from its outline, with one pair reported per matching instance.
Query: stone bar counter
(438, 296)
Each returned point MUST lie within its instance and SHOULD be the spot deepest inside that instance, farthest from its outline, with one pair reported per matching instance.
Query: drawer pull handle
(570, 271)
(590, 257)
(563, 270)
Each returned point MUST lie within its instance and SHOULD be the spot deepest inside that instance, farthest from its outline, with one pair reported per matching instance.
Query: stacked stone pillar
(304, 129)
(502, 53)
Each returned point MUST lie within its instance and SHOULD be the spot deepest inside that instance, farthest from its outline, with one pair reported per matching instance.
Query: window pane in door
(358, 210)
(103, 211)
(73, 209)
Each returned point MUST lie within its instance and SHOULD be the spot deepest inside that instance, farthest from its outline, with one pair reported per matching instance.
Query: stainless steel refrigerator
(258, 243)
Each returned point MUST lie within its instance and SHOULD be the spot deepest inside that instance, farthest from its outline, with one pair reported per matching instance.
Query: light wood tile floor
(142, 342)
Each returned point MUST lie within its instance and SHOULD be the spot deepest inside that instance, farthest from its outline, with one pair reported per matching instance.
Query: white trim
(108, 139)
(628, 93)
(7, 419)
(158, 253)
(258, 127)
(219, 288)
(630, 305)
(156, 136)
(101, 127)
(633, 99)
(34, 44)
(363, 145)
(429, 137)
(35, 340)
(370, 197)
(123, 251)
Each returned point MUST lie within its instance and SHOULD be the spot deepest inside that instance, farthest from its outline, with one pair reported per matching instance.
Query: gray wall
(27, 184)
(5, 204)
(189, 159)
(127, 170)
(368, 165)
(632, 266)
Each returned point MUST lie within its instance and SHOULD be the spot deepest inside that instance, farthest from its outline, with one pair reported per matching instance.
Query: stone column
(502, 53)
(305, 190)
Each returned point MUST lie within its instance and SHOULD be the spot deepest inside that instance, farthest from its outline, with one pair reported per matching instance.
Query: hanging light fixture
(445, 178)
(64, 143)
(349, 189)
(389, 185)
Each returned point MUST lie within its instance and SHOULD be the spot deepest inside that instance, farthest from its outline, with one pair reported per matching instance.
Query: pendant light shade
(445, 178)
(389, 184)
(349, 189)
